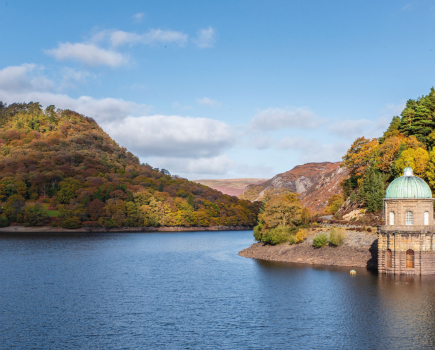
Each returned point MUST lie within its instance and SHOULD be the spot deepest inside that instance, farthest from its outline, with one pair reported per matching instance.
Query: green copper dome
(408, 186)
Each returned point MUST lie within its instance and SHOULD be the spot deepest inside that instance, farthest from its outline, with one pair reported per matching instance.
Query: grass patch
(53, 213)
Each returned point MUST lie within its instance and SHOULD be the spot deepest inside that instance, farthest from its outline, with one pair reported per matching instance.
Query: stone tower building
(406, 241)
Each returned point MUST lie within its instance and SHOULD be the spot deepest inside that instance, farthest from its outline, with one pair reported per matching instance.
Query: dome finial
(408, 171)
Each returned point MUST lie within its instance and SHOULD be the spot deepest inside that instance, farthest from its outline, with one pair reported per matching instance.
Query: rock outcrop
(315, 182)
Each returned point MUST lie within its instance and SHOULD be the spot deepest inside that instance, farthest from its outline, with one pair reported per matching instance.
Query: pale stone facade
(406, 243)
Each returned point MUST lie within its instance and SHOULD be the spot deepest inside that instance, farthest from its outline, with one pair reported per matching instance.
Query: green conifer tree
(372, 191)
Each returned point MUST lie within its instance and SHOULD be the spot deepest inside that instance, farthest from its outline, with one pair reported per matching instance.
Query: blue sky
(222, 89)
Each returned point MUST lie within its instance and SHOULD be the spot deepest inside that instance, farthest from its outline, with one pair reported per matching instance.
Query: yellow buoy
(352, 272)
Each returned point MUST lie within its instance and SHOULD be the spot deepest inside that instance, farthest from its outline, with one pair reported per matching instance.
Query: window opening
(409, 217)
(426, 218)
(391, 217)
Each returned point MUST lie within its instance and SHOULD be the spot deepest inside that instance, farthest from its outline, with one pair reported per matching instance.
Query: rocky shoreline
(360, 250)
(49, 229)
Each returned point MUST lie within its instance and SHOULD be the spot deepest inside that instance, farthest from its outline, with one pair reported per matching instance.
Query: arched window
(391, 217)
(426, 218)
(409, 217)
(409, 259)
(388, 259)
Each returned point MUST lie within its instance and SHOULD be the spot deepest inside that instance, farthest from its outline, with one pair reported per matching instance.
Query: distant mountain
(315, 182)
(232, 187)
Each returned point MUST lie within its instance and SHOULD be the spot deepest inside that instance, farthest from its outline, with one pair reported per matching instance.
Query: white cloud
(277, 118)
(72, 77)
(151, 37)
(164, 36)
(206, 37)
(25, 77)
(177, 105)
(312, 150)
(218, 165)
(360, 127)
(350, 128)
(87, 53)
(262, 142)
(208, 102)
(138, 17)
(172, 136)
(120, 37)
(255, 169)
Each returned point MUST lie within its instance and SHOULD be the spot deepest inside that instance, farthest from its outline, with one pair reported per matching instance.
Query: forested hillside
(60, 167)
(374, 163)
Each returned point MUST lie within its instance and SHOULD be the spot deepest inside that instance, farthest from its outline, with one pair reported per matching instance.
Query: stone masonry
(407, 248)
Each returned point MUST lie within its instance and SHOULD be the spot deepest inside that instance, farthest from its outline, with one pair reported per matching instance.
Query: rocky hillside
(232, 187)
(315, 182)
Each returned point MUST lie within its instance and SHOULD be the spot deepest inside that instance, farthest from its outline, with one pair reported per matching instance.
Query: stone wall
(399, 242)
(400, 206)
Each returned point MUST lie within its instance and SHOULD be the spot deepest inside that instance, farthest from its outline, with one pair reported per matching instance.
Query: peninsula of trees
(59, 167)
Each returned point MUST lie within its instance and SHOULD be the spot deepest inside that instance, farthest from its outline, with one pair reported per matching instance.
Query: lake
(192, 291)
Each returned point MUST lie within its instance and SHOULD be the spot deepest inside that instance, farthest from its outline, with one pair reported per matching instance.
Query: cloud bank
(88, 54)
(277, 118)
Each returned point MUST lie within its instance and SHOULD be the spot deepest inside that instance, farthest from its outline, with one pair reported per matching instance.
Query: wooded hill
(59, 167)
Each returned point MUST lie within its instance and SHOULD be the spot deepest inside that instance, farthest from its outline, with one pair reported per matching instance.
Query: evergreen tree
(418, 117)
(372, 190)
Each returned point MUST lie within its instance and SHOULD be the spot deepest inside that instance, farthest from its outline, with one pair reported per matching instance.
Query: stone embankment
(49, 229)
(359, 250)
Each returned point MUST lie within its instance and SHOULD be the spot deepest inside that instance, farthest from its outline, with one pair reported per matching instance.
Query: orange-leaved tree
(359, 155)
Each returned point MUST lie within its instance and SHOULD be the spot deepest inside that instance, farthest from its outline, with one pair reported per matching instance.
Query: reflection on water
(192, 290)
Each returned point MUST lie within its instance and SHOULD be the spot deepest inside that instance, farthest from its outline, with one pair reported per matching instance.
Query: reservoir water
(192, 291)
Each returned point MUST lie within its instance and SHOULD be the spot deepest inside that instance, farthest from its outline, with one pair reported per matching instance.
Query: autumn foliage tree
(280, 218)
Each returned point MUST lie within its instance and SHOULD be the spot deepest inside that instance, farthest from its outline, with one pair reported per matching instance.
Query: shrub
(71, 223)
(45, 200)
(54, 224)
(337, 236)
(277, 235)
(301, 235)
(35, 215)
(292, 240)
(4, 221)
(320, 241)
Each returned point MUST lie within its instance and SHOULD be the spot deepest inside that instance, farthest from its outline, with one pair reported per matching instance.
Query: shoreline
(360, 252)
(49, 229)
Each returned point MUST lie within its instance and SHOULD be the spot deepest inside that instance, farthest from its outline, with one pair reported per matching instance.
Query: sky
(222, 89)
